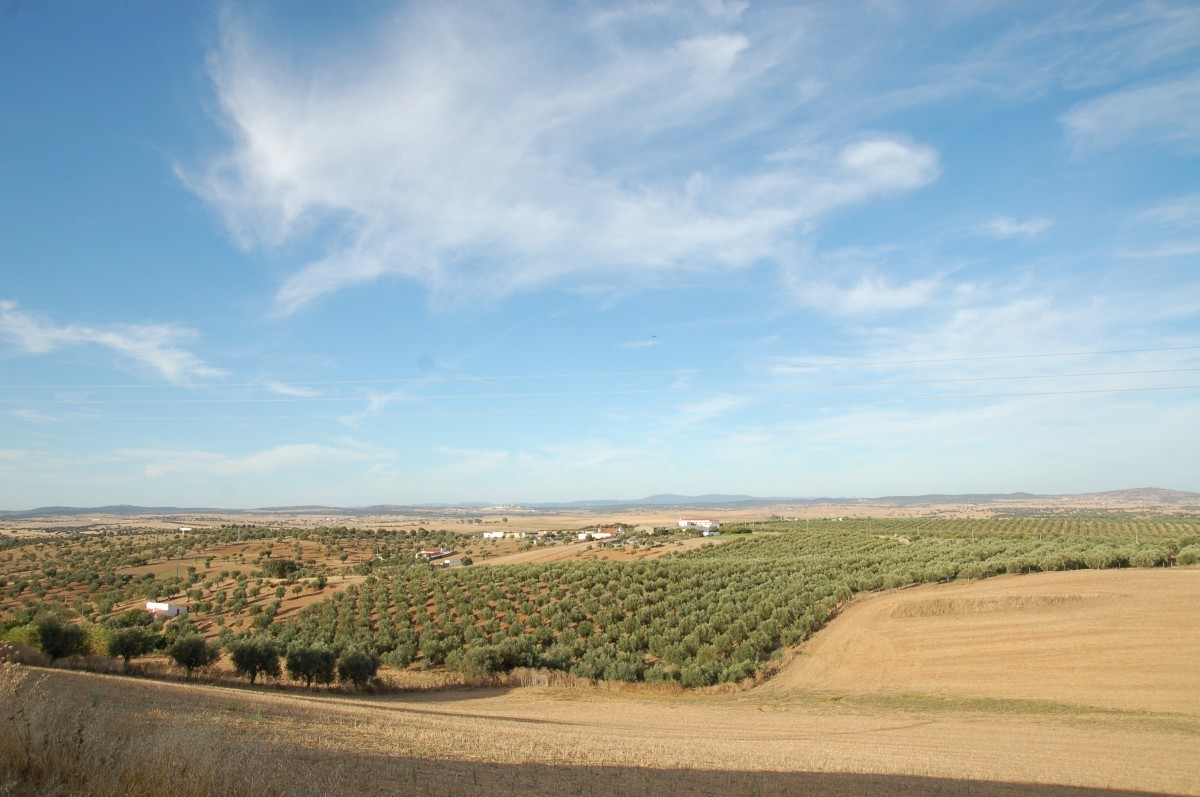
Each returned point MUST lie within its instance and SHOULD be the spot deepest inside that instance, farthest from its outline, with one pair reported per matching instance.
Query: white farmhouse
(493, 535)
(165, 609)
(607, 532)
(702, 523)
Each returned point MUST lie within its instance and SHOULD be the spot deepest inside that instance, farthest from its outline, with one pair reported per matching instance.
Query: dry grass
(1119, 639)
(940, 607)
(54, 743)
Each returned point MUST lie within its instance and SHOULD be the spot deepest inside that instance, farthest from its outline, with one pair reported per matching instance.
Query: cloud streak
(1005, 227)
(444, 152)
(297, 456)
(155, 347)
(1159, 113)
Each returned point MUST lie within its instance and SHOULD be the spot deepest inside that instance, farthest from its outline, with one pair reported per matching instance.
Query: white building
(165, 609)
(703, 523)
(493, 535)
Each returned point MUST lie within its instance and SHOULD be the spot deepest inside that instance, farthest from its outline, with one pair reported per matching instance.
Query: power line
(584, 393)
(597, 374)
(543, 410)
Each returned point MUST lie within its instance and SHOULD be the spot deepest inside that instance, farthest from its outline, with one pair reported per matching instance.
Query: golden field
(1056, 684)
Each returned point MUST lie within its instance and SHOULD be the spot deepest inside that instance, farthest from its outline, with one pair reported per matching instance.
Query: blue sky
(284, 252)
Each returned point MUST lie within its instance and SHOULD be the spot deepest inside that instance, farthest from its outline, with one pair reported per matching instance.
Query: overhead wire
(267, 383)
(585, 393)
(552, 410)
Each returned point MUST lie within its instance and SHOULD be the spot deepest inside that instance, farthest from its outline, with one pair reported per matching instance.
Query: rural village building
(165, 609)
(429, 554)
(702, 523)
(602, 533)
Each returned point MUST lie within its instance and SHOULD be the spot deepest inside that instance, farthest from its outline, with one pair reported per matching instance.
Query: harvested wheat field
(1051, 684)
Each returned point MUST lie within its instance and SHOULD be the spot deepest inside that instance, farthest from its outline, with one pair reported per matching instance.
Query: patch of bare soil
(1120, 639)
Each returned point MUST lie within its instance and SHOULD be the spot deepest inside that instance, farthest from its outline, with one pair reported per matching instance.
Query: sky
(282, 253)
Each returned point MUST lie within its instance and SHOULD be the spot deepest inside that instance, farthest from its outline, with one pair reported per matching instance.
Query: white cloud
(33, 416)
(152, 346)
(1180, 213)
(1175, 249)
(376, 402)
(1167, 229)
(697, 412)
(1005, 227)
(482, 156)
(288, 389)
(1160, 113)
(868, 295)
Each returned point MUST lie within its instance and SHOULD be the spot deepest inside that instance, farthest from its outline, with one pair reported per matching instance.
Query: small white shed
(165, 609)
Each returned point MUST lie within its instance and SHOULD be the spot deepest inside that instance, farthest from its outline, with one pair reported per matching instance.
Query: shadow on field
(69, 733)
(379, 775)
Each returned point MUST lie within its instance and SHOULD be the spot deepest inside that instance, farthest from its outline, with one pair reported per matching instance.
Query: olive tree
(253, 656)
(192, 653)
(130, 642)
(310, 664)
(358, 667)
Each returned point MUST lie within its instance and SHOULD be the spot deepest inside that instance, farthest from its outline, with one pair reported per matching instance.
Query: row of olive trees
(133, 635)
(711, 615)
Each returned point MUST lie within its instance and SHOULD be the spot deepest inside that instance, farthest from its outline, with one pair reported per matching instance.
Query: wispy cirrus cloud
(153, 347)
(868, 295)
(1006, 227)
(449, 152)
(298, 456)
(1168, 229)
(1160, 113)
(376, 402)
(638, 344)
(290, 389)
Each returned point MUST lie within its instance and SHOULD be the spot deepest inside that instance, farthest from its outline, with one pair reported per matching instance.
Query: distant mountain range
(1144, 495)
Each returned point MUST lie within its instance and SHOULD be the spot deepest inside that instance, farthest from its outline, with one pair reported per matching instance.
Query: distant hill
(967, 498)
(121, 510)
(1155, 495)
(1144, 495)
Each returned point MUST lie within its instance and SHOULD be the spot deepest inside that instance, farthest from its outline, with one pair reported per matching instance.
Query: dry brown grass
(940, 607)
(798, 734)
(1120, 639)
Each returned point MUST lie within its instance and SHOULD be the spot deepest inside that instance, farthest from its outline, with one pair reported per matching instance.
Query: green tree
(252, 656)
(358, 667)
(129, 643)
(58, 639)
(279, 568)
(132, 618)
(192, 653)
(310, 664)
